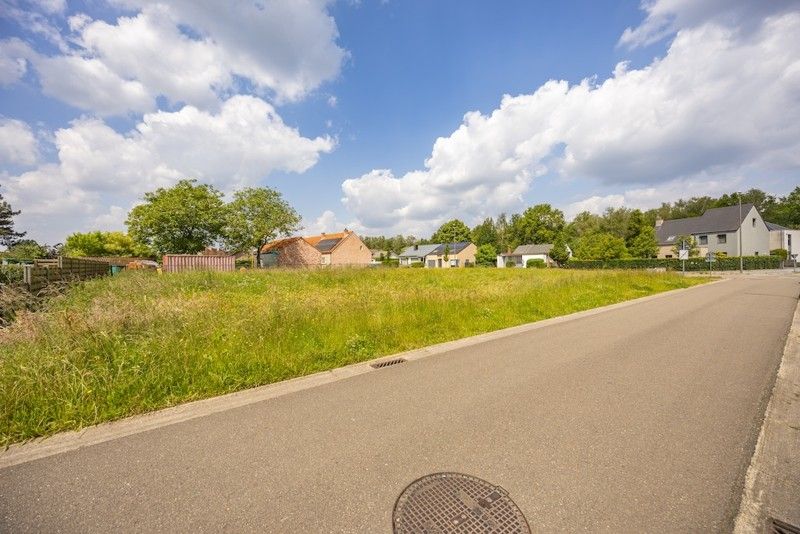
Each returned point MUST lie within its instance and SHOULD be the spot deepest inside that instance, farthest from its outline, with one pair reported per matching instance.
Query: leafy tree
(538, 224)
(584, 223)
(8, 236)
(644, 244)
(26, 249)
(104, 244)
(486, 256)
(602, 246)
(256, 216)
(182, 219)
(485, 234)
(786, 211)
(689, 242)
(453, 231)
(559, 253)
(504, 237)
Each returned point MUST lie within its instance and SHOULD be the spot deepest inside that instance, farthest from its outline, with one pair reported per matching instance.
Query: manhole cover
(444, 503)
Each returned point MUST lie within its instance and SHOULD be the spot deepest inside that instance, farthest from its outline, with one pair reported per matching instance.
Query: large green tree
(538, 224)
(453, 231)
(182, 219)
(560, 253)
(256, 216)
(485, 234)
(602, 246)
(104, 244)
(486, 256)
(8, 236)
(644, 244)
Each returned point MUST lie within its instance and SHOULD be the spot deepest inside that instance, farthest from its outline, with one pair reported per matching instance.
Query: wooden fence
(178, 263)
(62, 269)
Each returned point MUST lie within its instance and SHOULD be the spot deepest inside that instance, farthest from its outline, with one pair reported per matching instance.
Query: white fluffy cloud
(185, 52)
(665, 17)
(97, 166)
(18, 145)
(720, 101)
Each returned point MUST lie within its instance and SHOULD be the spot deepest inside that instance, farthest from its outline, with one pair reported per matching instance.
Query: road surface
(641, 418)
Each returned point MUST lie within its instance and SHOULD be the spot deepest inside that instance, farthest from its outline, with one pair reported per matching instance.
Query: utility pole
(741, 261)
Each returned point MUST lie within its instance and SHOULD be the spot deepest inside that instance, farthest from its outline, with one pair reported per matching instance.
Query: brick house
(342, 248)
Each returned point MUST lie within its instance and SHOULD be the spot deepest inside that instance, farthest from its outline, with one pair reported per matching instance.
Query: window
(454, 263)
(668, 256)
(755, 253)
(722, 238)
(704, 240)
(754, 222)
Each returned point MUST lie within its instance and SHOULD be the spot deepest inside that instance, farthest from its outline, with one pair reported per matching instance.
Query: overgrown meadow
(119, 346)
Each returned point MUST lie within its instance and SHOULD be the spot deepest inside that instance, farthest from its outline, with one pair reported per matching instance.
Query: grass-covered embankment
(137, 342)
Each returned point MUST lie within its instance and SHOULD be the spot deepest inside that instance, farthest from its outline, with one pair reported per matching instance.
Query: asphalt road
(641, 419)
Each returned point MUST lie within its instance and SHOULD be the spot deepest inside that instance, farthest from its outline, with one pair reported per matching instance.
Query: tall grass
(118, 346)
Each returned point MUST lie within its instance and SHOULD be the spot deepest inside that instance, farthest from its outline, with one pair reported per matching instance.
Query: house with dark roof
(717, 231)
(786, 238)
(342, 248)
(447, 255)
(520, 256)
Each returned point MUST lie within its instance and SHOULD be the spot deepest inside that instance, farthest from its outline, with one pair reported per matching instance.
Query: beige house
(448, 255)
(785, 238)
(343, 248)
(717, 231)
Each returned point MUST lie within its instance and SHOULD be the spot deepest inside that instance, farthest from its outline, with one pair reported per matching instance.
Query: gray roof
(418, 251)
(533, 249)
(453, 248)
(772, 226)
(714, 220)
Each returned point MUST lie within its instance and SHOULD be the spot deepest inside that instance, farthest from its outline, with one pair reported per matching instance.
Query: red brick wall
(299, 254)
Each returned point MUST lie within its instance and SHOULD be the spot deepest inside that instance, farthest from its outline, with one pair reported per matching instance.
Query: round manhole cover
(454, 503)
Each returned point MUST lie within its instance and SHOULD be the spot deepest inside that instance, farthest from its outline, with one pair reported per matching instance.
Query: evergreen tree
(8, 236)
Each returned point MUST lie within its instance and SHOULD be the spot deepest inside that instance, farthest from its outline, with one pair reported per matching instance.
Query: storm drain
(779, 527)
(387, 363)
(445, 503)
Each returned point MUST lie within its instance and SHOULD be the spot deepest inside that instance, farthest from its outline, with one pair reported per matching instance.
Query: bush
(510, 263)
(534, 263)
(781, 253)
(10, 274)
(244, 262)
(418, 264)
(673, 264)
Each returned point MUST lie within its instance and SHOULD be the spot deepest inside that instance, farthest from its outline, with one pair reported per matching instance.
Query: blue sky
(392, 117)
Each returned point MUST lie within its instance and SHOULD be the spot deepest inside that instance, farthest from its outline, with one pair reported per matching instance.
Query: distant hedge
(730, 263)
(10, 274)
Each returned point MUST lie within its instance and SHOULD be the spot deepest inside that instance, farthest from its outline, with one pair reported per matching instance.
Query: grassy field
(115, 347)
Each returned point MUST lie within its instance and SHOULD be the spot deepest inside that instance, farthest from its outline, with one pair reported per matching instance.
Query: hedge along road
(638, 418)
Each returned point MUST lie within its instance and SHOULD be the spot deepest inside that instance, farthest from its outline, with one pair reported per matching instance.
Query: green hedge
(535, 263)
(674, 264)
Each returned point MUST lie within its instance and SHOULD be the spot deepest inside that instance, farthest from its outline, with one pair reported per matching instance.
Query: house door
(439, 262)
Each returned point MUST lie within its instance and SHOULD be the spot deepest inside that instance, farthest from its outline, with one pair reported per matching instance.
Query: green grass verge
(129, 344)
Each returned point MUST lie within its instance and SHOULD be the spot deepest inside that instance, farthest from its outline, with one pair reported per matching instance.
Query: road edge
(772, 483)
(37, 448)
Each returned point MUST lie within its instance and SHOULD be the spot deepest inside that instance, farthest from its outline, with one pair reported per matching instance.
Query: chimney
(659, 222)
(416, 247)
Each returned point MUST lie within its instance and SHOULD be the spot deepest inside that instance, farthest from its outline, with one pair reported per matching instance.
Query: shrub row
(674, 264)
(10, 274)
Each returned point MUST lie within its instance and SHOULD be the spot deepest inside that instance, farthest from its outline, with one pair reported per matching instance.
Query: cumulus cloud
(188, 53)
(18, 145)
(666, 17)
(719, 102)
(648, 197)
(97, 166)
(12, 60)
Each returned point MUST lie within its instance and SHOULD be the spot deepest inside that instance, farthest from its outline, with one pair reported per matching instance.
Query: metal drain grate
(387, 363)
(779, 527)
(453, 503)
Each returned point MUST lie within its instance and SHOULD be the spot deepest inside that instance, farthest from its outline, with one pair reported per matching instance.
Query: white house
(523, 253)
(785, 238)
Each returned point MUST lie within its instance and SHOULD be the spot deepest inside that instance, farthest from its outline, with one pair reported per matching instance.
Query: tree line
(190, 216)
